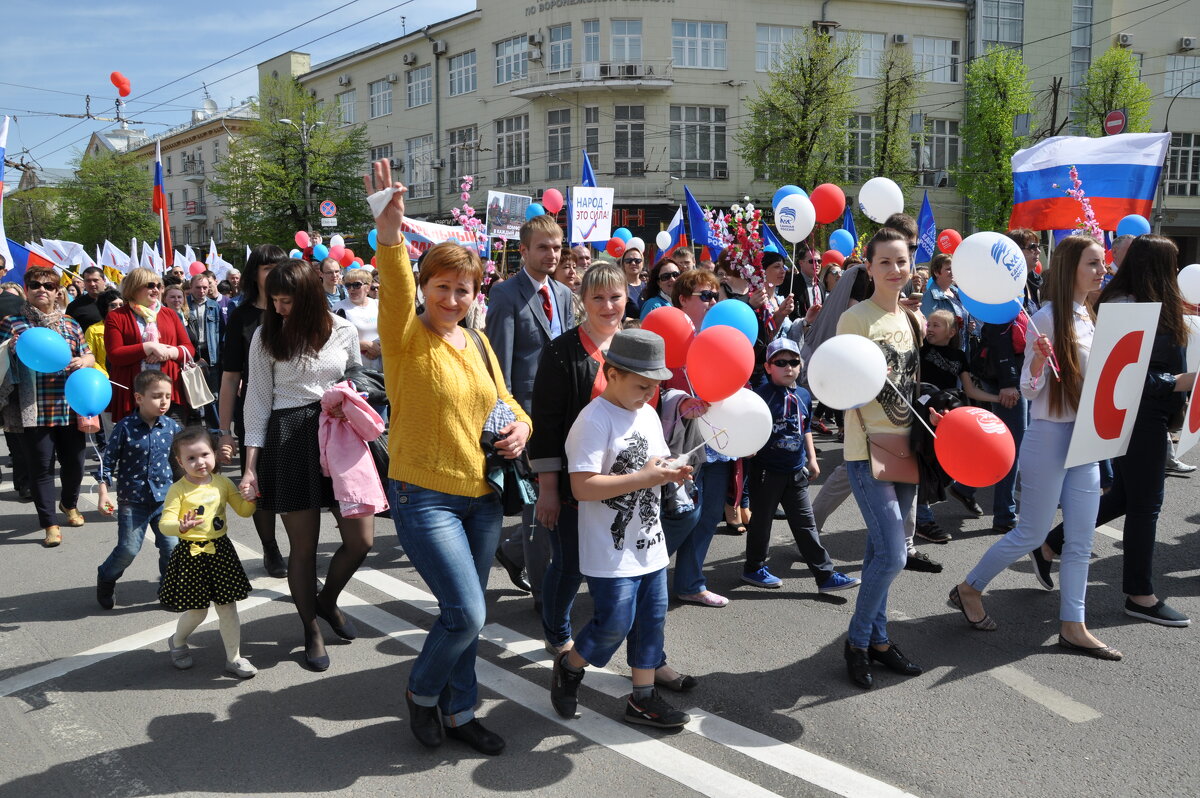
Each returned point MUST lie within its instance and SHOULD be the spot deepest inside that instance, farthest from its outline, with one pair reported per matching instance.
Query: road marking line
(1058, 703)
(1115, 534)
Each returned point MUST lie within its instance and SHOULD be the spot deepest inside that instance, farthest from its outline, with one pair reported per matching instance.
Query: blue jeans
(884, 506)
(691, 548)
(626, 608)
(132, 520)
(562, 580)
(1044, 485)
(1004, 503)
(451, 541)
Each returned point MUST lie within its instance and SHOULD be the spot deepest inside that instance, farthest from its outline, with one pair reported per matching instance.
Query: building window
(380, 93)
(173, 236)
(558, 144)
(870, 51)
(630, 140)
(591, 41)
(591, 134)
(698, 45)
(770, 41)
(512, 150)
(1001, 22)
(860, 148)
(1081, 40)
(560, 48)
(419, 85)
(626, 41)
(381, 152)
(698, 142)
(345, 102)
(219, 231)
(935, 153)
(462, 74)
(936, 60)
(168, 164)
(171, 203)
(512, 59)
(216, 152)
(463, 143)
(1181, 71)
(419, 166)
(187, 234)
(1183, 165)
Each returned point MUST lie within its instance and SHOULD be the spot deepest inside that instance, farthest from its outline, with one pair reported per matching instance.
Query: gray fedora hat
(640, 352)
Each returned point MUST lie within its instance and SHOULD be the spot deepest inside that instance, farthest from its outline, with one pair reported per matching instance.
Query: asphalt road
(90, 705)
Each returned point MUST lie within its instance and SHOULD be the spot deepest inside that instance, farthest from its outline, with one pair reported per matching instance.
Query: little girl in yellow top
(204, 567)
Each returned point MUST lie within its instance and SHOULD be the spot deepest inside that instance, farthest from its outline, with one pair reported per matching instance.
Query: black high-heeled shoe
(344, 628)
(858, 665)
(314, 662)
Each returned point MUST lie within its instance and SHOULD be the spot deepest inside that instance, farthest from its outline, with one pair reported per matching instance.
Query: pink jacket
(344, 453)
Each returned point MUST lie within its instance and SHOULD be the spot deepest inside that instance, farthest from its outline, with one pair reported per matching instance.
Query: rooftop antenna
(403, 27)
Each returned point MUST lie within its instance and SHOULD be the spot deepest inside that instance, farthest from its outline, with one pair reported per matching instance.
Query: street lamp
(304, 129)
(1161, 212)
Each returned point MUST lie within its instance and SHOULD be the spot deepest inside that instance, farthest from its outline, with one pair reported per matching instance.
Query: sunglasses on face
(789, 364)
(708, 296)
(1033, 247)
(355, 285)
(634, 261)
(33, 286)
(152, 286)
(662, 278)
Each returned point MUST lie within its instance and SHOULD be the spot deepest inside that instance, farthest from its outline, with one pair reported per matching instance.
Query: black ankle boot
(104, 593)
(473, 734)
(858, 665)
(425, 722)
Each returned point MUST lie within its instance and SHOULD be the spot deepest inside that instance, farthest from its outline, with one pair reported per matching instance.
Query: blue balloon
(42, 349)
(732, 313)
(371, 237)
(1133, 225)
(88, 392)
(320, 252)
(843, 241)
(785, 191)
(623, 234)
(295, 253)
(991, 314)
(534, 209)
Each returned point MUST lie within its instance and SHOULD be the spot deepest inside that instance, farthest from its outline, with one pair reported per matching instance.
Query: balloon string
(689, 453)
(119, 385)
(1052, 360)
(904, 399)
(716, 433)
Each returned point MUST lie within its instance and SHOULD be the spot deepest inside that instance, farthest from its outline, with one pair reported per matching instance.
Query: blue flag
(926, 233)
(848, 224)
(701, 235)
(589, 177)
(771, 242)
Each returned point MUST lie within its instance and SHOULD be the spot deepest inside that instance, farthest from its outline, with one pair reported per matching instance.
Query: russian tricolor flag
(4, 246)
(159, 205)
(1119, 173)
(676, 229)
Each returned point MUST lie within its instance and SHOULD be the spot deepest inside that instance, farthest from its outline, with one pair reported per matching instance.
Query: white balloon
(636, 243)
(746, 421)
(1189, 283)
(663, 240)
(336, 240)
(847, 371)
(990, 268)
(879, 198)
(795, 217)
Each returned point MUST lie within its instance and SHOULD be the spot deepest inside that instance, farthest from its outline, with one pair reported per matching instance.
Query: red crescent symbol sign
(1107, 417)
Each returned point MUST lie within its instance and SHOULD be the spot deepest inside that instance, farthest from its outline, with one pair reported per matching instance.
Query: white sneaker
(1176, 466)
(240, 668)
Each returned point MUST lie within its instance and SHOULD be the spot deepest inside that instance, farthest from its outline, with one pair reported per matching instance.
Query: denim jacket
(209, 314)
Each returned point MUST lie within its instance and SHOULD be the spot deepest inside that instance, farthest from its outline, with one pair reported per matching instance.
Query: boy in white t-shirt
(617, 459)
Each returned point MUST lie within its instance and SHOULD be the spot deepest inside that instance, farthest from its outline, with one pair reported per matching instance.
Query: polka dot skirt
(194, 580)
(289, 465)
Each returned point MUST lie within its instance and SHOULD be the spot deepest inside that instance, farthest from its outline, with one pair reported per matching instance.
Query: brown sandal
(984, 624)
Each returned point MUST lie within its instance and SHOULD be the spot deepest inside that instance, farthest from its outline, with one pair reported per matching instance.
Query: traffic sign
(1114, 122)
(329, 221)
(328, 209)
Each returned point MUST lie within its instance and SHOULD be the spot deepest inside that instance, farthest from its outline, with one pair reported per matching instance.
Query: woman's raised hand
(389, 221)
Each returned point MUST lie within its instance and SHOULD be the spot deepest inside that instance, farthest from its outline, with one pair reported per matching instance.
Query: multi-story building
(655, 91)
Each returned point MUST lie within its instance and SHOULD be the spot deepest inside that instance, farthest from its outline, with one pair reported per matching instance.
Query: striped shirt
(50, 389)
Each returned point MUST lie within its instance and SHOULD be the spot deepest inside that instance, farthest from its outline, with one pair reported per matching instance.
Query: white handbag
(194, 382)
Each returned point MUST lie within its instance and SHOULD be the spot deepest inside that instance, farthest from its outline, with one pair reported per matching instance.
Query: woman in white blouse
(1076, 269)
(299, 351)
(363, 312)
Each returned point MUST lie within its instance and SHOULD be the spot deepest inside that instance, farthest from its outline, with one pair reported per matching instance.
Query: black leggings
(41, 444)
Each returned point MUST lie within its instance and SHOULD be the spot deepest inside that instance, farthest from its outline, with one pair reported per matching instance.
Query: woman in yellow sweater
(446, 516)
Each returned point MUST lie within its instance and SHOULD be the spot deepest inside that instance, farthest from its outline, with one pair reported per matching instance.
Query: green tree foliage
(797, 127)
(31, 215)
(261, 182)
(109, 198)
(895, 98)
(997, 90)
(1113, 82)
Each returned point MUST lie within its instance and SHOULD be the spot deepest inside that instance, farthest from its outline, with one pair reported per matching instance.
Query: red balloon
(124, 89)
(347, 257)
(832, 256)
(196, 268)
(302, 239)
(358, 262)
(675, 328)
(949, 240)
(552, 200)
(719, 362)
(372, 260)
(829, 201)
(974, 446)
(117, 79)
(337, 252)
(616, 247)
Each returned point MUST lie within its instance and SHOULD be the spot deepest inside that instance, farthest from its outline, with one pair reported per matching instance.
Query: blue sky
(57, 52)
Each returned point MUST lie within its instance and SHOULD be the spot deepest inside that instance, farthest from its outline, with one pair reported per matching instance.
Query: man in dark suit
(525, 312)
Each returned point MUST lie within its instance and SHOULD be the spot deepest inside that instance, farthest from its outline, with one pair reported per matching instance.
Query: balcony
(193, 170)
(195, 211)
(607, 75)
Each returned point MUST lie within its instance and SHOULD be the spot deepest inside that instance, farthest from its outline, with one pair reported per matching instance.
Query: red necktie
(546, 306)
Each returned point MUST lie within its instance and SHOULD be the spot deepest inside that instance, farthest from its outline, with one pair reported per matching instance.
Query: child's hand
(693, 407)
(105, 505)
(659, 471)
(814, 470)
(189, 521)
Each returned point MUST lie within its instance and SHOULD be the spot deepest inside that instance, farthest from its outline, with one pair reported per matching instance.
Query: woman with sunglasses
(144, 334)
(657, 293)
(363, 312)
(631, 262)
(48, 424)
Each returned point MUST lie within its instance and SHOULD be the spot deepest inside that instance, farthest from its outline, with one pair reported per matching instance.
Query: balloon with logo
(196, 268)
(675, 328)
(615, 247)
(785, 191)
(948, 240)
(44, 350)
(552, 200)
(373, 239)
(719, 362)
(622, 233)
(843, 241)
(302, 239)
(662, 241)
(990, 267)
(879, 198)
(795, 218)
(320, 252)
(88, 392)
(534, 209)
(829, 202)
(1133, 225)
(738, 426)
(974, 446)
(847, 371)
(990, 314)
(733, 313)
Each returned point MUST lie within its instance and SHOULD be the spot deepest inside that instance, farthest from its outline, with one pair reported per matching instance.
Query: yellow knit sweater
(440, 396)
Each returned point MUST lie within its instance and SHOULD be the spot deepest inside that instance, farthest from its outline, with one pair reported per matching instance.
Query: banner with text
(591, 213)
(506, 214)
